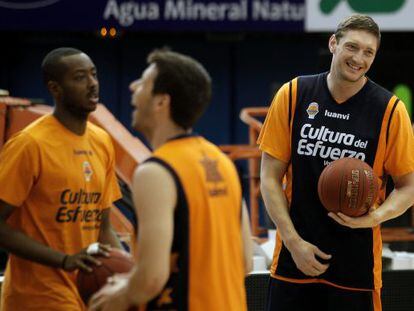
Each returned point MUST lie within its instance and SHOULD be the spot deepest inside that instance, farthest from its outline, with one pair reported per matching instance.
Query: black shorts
(286, 296)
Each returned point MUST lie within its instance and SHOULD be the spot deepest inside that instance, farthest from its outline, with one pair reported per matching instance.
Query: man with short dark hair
(331, 261)
(194, 237)
(57, 183)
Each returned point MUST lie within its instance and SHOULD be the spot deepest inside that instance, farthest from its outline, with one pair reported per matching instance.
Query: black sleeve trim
(389, 119)
(178, 281)
(290, 102)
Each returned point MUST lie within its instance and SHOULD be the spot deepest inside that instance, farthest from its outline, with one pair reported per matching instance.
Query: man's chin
(353, 78)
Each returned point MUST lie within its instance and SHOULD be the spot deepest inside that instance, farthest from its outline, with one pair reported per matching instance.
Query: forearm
(247, 240)
(143, 286)
(277, 207)
(399, 200)
(109, 236)
(19, 244)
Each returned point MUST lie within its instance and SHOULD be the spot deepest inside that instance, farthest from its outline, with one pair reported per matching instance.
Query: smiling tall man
(331, 261)
(57, 182)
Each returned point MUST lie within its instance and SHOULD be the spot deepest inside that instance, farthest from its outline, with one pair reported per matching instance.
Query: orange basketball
(117, 262)
(348, 185)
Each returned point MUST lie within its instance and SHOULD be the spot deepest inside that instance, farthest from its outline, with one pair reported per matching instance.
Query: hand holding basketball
(90, 282)
(84, 259)
(113, 296)
(349, 186)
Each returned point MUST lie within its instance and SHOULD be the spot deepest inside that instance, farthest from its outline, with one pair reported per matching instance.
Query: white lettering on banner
(271, 11)
(128, 12)
(312, 143)
(189, 10)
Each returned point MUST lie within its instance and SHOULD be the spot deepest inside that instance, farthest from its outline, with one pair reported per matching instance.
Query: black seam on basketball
(362, 192)
(79, 281)
(96, 279)
(341, 187)
(119, 259)
(107, 268)
(325, 189)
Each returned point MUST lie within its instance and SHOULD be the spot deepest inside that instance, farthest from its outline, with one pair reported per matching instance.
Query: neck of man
(74, 123)
(163, 133)
(341, 89)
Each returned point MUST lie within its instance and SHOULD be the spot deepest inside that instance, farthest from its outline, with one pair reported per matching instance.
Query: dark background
(246, 68)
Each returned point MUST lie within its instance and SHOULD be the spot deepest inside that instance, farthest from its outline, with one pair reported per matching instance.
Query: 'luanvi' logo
(313, 110)
(365, 6)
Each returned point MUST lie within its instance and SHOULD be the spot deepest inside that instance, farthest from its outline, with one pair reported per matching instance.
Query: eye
(369, 53)
(351, 47)
(80, 77)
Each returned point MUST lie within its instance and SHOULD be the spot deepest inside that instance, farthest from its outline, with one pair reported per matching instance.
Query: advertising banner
(391, 15)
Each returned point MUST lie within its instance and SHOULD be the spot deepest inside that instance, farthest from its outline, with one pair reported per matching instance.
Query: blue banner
(167, 15)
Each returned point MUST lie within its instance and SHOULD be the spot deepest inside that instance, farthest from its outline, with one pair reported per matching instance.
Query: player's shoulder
(96, 130)
(311, 81)
(379, 91)
(98, 133)
(35, 131)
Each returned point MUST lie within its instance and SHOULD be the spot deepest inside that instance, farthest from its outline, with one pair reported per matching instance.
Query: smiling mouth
(354, 68)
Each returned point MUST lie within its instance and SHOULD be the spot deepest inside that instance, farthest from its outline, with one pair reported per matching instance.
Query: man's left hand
(366, 221)
(113, 296)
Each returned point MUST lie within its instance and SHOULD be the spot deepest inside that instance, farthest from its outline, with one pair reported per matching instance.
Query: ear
(332, 44)
(163, 101)
(54, 88)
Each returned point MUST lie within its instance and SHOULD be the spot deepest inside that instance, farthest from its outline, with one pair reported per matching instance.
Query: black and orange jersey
(207, 264)
(308, 129)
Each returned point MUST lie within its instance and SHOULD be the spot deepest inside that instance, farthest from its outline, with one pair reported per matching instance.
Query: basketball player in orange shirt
(57, 182)
(194, 236)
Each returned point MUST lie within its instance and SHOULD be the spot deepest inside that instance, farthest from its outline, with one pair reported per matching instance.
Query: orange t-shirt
(60, 184)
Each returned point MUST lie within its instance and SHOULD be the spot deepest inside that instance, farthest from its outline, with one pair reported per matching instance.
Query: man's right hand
(304, 255)
(85, 259)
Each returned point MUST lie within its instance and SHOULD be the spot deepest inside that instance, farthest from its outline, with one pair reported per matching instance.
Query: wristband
(64, 261)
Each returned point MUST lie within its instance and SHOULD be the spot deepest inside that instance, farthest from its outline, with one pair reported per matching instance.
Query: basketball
(349, 186)
(117, 262)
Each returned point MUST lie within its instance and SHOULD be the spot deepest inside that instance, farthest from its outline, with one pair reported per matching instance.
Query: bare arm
(399, 200)
(271, 185)
(247, 240)
(155, 196)
(107, 235)
(21, 245)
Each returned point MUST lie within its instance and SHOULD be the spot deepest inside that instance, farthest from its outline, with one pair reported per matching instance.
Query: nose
(92, 80)
(358, 57)
(133, 85)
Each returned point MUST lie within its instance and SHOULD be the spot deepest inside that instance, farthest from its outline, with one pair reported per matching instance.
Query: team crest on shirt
(213, 176)
(313, 110)
(87, 170)
(210, 167)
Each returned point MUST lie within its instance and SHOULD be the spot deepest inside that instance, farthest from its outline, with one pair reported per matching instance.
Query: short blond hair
(358, 22)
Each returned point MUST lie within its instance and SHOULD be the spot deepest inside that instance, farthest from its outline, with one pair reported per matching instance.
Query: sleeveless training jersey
(207, 263)
(60, 184)
(308, 129)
